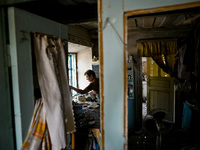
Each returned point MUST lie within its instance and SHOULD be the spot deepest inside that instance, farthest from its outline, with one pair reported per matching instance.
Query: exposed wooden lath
(176, 24)
(160, 21)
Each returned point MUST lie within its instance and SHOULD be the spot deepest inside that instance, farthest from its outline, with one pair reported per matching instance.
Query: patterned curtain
(162, 52)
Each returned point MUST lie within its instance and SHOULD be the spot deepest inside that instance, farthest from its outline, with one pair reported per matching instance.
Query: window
(154, 70)
(72, 70)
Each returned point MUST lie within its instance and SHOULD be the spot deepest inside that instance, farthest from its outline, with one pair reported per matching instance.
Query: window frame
(71, 69)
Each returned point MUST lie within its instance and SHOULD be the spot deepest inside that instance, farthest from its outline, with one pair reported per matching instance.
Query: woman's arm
(86, 90)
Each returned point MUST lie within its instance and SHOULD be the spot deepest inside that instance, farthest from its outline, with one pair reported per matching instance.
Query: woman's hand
(92, 94)
(70, 87)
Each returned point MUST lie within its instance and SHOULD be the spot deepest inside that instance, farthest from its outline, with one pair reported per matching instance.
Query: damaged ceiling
(174, 24)
(166, 21)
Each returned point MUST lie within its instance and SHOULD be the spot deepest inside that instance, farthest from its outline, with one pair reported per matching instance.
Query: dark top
(94, 86)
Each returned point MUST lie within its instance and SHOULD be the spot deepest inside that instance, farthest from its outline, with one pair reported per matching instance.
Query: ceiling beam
(185, 28)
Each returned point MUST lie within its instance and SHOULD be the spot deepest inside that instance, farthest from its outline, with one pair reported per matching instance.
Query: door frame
(150, 11)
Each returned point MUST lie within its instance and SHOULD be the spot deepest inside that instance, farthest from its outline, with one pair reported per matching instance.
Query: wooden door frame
(144, 12)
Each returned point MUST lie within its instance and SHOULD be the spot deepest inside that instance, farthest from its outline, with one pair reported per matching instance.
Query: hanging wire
(107, 21)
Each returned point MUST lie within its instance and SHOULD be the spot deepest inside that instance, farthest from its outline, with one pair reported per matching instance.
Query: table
(87, 118)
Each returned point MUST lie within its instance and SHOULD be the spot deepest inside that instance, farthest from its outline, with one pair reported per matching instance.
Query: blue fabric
(97, 145)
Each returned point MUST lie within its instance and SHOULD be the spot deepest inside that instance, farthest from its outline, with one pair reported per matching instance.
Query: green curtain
(163, 52)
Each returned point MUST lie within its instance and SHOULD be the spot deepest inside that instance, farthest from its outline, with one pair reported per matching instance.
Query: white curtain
(53, 81)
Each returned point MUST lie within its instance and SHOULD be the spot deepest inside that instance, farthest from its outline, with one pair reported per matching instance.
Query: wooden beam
(101, 74)
(169, 29)
(161, 9)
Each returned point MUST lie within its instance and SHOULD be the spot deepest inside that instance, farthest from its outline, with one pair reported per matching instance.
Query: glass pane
(72, 71)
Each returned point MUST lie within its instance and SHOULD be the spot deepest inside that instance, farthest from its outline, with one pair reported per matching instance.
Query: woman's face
(89, 78)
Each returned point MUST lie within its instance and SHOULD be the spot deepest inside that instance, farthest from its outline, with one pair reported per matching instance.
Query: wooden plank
(180, 28)
(140, 22)
(101, 75)
(159, 21)
(125, 85)
(169, 20)
(179, 20)
(148, 22)
(162, 9)
(131, 23)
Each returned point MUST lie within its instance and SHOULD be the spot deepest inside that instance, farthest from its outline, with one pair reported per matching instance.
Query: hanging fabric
(53, 82)
(149, 48)
(166, 63)
(38, 135)
(162, 51)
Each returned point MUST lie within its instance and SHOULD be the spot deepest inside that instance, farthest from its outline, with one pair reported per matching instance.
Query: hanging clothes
(53, 82)
(38, 134)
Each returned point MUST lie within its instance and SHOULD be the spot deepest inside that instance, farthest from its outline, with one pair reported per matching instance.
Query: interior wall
(112, 72)
(84, 59)
(83, 36)
(79, 32)
(83, 50)
(6, 125)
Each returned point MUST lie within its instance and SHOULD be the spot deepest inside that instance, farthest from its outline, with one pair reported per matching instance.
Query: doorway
(85, 105)
(144, 87)
(142, 26)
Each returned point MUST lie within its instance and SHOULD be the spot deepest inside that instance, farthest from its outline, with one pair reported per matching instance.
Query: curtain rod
(48, 35)
(151, 40)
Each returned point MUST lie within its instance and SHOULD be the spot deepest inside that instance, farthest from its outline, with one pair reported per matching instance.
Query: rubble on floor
(176, 139)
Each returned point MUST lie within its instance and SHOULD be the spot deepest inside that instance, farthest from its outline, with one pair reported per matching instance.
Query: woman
(93, 86)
